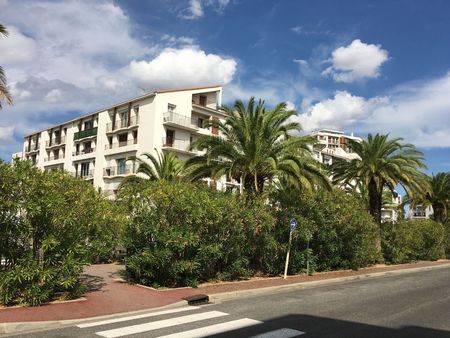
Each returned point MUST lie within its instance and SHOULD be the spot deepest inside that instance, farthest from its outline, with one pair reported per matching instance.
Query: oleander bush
(413, 240)
(52, 225)
(341, 233)
(182, 234)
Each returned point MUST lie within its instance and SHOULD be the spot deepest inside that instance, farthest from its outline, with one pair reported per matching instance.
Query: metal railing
(85, 133)
(33, 147)
(120, 124)
(186, 121)
(83, 151)
(55, 141)
(119, 170)
(121, 144)
(83, 174)
(54, 157)
(169, 142)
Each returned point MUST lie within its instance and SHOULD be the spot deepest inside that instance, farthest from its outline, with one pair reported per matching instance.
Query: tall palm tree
(384, 163)
(163, 166)
(438, 197)
(256, 146)
(4, 92)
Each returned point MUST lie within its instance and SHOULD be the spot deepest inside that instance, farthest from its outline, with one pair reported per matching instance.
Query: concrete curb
(15, 328)
(224, 296)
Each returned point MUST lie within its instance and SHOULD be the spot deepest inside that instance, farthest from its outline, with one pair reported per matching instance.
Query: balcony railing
(85, 133)
(120, 124)
(83, 174)
(121, 144)
(55, 142)
(183, 145)
(181, 120)
(119, 170)
(54, 157)
(84, 151)
(33, 147)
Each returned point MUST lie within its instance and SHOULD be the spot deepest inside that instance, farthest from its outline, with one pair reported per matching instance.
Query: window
(135, 136)
(170, 136)
(121, 168)
(123, 119)
(200, 122)
(87, 147)
(171, 108)
(215, 127)
(84, 169)
(123, 138)
(136, 110)
(88, 125)
(202, 100)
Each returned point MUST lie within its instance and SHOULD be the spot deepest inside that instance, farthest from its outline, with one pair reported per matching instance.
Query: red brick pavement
(113, 296)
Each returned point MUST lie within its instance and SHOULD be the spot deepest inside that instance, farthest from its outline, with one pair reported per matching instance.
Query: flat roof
(143, 96)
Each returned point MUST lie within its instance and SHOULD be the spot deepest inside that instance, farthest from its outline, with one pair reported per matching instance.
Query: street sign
(293, 224)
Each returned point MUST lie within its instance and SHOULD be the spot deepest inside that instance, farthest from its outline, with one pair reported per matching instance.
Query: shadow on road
(326, 327)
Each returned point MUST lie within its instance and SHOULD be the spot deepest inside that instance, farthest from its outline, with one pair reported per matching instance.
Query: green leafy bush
(413, 240)
(342, 233)
(52, 224)
(181, 234)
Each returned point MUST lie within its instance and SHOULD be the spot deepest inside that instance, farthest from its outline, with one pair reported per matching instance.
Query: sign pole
(287, 255)
(307, 257)
(292, 226)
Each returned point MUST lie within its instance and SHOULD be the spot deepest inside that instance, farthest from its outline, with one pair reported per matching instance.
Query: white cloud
(182, 67)
(17, 48)
(195, 10)
(290, 105)
(6, 134)
(356, 61)
(417, 111)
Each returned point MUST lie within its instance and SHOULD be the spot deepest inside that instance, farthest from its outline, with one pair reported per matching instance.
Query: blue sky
(357, 66)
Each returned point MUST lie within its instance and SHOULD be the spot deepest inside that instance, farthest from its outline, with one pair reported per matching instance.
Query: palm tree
(256, 146)
(438, 196)
(4, 92)
(384, 163)
(164, 166)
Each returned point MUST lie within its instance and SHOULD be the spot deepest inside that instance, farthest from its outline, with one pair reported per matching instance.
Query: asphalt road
(405, 305)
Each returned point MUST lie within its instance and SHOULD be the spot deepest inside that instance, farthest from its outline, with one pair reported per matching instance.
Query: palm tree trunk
(375, 202)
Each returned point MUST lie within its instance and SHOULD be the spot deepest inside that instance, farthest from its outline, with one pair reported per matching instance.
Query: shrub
(413, 240)
(342, 234)
(52, 225)
(181, 234)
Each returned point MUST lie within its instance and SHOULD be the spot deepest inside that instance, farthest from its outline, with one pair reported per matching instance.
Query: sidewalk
(108, 295)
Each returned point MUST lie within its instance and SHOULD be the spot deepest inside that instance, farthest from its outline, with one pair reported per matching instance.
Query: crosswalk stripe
(280, 333)
(144, 315)
(160, 324)
(214, 329)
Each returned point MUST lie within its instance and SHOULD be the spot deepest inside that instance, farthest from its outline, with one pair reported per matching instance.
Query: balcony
(174, 119)
(121, 144)
(122, 124)
(32, 148)
(53, 158)
(84, 134)
(177, 145)
(83, 152)
(85, 174)
(55, 142)
(121, 170)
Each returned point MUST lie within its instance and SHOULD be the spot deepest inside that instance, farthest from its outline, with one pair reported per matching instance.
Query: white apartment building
(96, 146)
(333, 144)
(421, 212)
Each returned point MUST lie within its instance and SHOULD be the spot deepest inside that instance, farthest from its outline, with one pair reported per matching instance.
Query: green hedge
(413, 240)
(181, 234)
(52, 225)
(342, 233)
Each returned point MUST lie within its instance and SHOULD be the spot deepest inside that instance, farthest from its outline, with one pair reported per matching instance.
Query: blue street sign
(293, 224)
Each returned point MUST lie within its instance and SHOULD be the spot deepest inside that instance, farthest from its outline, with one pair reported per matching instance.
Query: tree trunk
(375, 202)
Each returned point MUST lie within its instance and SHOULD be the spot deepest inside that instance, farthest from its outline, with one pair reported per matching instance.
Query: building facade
(96, 146)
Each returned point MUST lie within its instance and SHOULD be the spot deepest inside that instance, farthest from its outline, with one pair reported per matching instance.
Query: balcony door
(170, 137)
(84, 169)
(121, 168)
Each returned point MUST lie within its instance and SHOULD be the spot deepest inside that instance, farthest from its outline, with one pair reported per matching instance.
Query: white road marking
(214, 329)
(280, 333)
(144, 315)
(127, 330)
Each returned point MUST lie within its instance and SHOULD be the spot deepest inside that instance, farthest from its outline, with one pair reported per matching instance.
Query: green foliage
(447, 238)
(164, 166)
(342, 233)
(181, 234)
(257, 145)
(51, 226)
(413, 240)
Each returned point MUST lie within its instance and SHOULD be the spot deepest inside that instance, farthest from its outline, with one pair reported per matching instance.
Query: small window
(136, 110)
(171, 108)
(202, 100)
